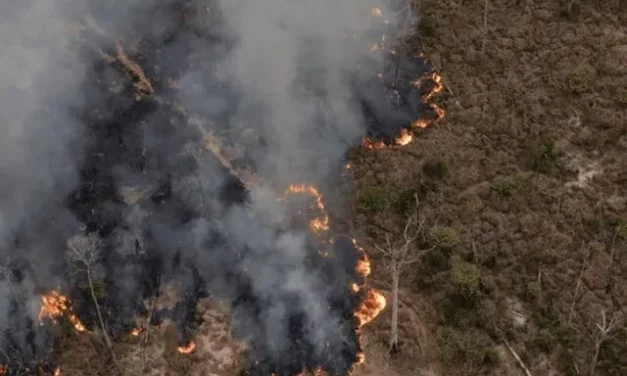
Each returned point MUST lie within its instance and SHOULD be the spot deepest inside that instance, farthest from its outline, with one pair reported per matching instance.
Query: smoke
(40, 151)
(282, 82)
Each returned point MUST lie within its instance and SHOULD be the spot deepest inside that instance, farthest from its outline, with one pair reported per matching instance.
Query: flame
(318, 224)
(373, 144)
(187, 349)
(354, 287)
(404, 139)
(420, 123)
(361, 358)
(54, 305)
(316, 372)
(3, 369)
(136, 331)
(57, 371)
(370, 308)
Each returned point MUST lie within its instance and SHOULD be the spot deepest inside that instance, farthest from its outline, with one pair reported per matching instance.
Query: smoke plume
(106, 110)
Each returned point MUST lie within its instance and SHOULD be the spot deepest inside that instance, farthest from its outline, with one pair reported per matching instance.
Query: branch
(577, 286)
(518, 358)
(86, 250)
(378, 248)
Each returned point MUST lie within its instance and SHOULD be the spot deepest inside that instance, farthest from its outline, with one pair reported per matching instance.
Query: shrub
(580, 81)
(612, 358)
(435, 169)
(621, 230)
(427, 25)
(543, 157)
(405, 201)
(466, 278)
(503, 187)
(569, 9)
(444, 237)
(468, 347)
(373, 199)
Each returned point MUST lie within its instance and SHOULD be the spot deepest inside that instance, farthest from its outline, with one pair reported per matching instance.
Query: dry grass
(535, 148)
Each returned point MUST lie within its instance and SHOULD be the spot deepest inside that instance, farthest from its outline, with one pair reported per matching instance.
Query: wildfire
(361, 358)
(187, 349)
(420, 123)
(363, 265)
(136, 331)
(317, 224)
(315, 372)
(370, 308)
(405, 138)
(54, 305)
(57, 371)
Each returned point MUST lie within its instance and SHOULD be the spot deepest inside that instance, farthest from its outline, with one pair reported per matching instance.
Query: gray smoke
(293, 62)
(288, 64)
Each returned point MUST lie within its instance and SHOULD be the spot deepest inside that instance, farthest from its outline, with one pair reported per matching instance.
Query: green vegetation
(427, 25)
(580, 81)
(503, 187)
(435, 169)
(612, 361)
(544, 158)
(373, 199)
(621, 230)
(569, 9)
(443, 237)
(465, 278)
(466, 347)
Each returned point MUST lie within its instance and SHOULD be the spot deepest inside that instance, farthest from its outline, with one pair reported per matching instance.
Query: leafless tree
(605, 327)
(401, 253)
(84, 253)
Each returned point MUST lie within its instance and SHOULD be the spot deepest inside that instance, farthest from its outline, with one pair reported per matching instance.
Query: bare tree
(400, 254)
(84, 253)
(605, 328)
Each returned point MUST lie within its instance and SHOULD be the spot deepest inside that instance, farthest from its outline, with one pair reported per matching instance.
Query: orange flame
(57, 371)
(361, 358)
(370, 308)
(186, 349)
(404, 139)
(54, 305)
(318, 224)
(373, 144)
(136, 331)
(3, 370)
(316, 372)
(354, 287)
